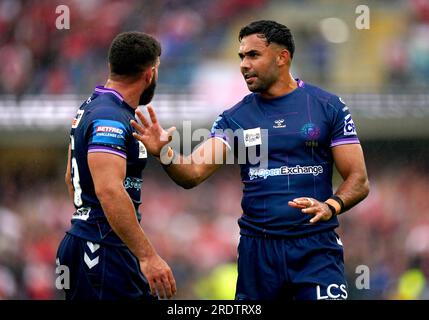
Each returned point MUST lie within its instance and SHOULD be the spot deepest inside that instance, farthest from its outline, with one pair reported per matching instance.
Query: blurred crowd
(407, 56)
(196, 232)
(38, 58)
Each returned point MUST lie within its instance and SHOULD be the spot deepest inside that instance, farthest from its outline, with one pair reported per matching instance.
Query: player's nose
(244, 65)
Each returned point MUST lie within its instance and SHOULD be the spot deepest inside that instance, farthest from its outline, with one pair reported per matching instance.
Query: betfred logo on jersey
(108, 129)
(349, 126)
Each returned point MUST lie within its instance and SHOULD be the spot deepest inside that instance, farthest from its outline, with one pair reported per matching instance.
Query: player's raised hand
(319, 210)
(159, 276)
(153, 136)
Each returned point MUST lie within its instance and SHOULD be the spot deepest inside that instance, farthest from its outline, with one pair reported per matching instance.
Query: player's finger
(170, 133)
(139, 137)
(306, 202)
(296, 205)
(300, 199)
(310, 210)
(152, 114)
(160, 288)
(142, 118)
(152, 287)
(316, 218)
(137, 126)
(172, 282)
(310, 202)
(167, 287)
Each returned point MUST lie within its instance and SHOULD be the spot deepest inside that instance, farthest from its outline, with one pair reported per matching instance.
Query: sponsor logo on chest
(279, 123)
(252, 137)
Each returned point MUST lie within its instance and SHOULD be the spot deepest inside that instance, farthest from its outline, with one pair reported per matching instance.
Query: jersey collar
(102, 90)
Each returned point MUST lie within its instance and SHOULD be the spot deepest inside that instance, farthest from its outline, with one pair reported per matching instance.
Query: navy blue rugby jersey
(102, 124)
(296, 133)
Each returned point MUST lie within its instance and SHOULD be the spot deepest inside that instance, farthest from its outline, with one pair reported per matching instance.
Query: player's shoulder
(240, 106)
(323, 96)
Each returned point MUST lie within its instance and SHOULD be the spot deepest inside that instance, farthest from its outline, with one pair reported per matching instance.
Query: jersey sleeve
(107, 136)
(344, 129)
(218, 130)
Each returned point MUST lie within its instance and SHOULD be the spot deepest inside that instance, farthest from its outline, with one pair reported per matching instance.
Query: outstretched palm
(153, 136)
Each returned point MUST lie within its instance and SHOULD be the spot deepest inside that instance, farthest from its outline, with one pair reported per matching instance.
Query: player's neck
(281, 87)
(127, 91)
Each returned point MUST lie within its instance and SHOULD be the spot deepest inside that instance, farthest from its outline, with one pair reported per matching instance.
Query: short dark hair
(131, 52)
(272, 32)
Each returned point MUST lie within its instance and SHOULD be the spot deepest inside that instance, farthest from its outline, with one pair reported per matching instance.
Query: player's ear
(148, 74)
(283, 58)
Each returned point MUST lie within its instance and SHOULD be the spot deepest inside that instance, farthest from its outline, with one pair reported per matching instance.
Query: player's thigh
(321, 276)
(260, 269)
(101, 272)
(84, 281)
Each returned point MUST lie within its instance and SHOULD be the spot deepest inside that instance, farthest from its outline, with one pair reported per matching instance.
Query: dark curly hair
(132, 52)
(272, 32)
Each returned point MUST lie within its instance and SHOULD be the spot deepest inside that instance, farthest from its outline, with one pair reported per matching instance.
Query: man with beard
(106, 250)
(288, 247)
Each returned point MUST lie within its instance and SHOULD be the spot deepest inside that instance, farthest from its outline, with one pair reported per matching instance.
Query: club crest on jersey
(310, 131)
(349, 126)
(252, 137)
(142, 151)
(76, 119)
(279, 123)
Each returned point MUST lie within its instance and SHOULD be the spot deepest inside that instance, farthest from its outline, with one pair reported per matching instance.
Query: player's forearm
(353, 190)
(120, 213)
(192, 170)
(185, 172)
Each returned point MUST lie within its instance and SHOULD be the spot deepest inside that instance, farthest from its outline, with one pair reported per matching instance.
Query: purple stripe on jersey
(344, 141)
(300, 83)
(222, 136)
(94, 149)
(101, 89)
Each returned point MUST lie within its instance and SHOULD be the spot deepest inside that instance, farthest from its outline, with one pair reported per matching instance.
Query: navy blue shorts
(304, 268)
(101, 272)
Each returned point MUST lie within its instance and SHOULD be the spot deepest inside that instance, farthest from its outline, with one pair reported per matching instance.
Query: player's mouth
(249, 77)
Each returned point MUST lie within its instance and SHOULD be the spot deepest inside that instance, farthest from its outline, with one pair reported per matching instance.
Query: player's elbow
(364, 186)
(194, 180)
(189, 184)
(106, 192)
(67, 180)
